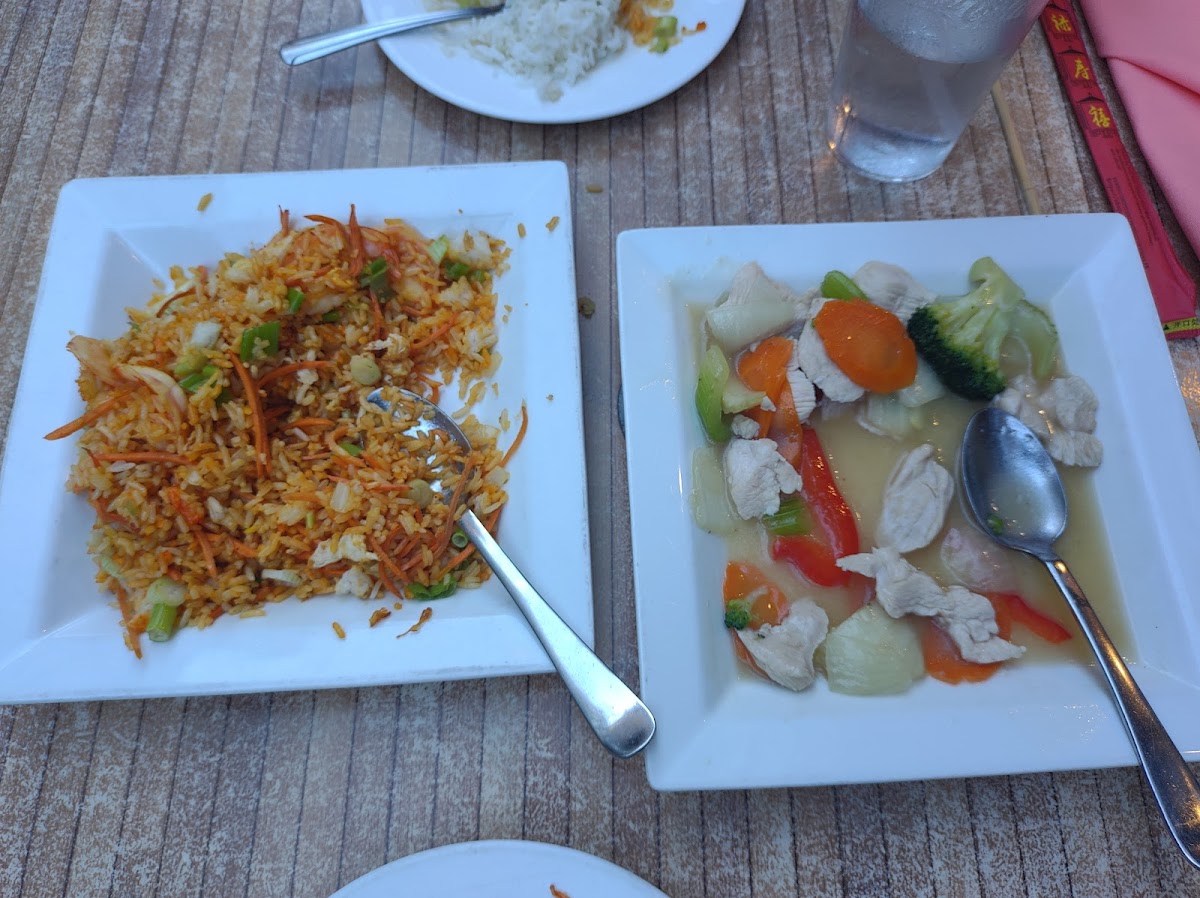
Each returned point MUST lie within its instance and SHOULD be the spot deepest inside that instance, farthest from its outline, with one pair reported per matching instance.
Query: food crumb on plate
(426, 614)
(520, 229)
(379, 614)
(549, 397)
(337, 628)
(552, 224)
(587, 306)
(594, 188)
(204, 201)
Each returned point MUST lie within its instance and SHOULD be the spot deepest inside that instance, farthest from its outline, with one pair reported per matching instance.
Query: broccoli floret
(961, 338)
(737, 614)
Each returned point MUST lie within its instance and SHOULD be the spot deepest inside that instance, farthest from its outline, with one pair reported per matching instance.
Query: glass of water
(910, 75)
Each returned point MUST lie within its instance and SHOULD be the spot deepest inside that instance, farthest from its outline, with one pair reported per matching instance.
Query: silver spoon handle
(1171, 780)
(621, 721)
(306, 49)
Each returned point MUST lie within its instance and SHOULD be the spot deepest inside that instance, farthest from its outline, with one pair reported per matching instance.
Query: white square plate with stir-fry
(756, 598)
(206, 597)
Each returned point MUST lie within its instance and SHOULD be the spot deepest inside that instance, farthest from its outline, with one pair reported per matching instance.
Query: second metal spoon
(1015, 494)
(306, 49)
(620, 719)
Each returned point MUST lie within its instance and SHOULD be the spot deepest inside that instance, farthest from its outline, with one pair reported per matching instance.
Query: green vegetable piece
(332, 317)
(456, 270)
(192, 360)
(459, 540)
(352, 448)
(995, 523)
(437, 249)
(737, 614)
(193, 382)
(792, 519)
(295, 300)
(714, 372)
(839, 285)
(165, 591)
(961, 337)
(440, 590)
(310, 520)
(1033, 327)
(374, 277)
(660, 45)
(478, 275)
(224, 396)
(162, 622)
(666, 26)
(251, 337)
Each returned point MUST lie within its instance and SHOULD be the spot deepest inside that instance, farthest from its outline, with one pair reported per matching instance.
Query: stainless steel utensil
(1015, 494)
(306, 49)
(620, 719)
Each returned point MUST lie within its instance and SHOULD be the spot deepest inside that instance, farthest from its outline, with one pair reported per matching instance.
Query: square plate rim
(161, 201)
(683, 754)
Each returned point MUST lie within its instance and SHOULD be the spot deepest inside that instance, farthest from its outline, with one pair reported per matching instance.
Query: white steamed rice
(551, 43)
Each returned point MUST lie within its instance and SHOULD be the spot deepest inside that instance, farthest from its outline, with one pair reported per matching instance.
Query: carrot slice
(868, 343)
(764, 368)
(742, 579)
(944, 662)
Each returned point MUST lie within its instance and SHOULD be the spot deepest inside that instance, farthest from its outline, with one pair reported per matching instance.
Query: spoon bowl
(619, 718)
(1015, 495)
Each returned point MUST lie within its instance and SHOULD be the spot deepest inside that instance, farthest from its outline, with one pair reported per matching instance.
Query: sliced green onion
(295, 300)
(459, 540)
(838, 285)
(444, 587)
(437, 249)
(332, 317)
(165, 591)
(660, 45)
(666, 26)
(224, 396)
(456, 270)
(995, 523)
(264, 333)
(162, 622)
(375, 278)
(714, 372)
(310, 520)
(194, 382)
(352, 448)
(192, 360)
(792, 519)
(365, 370)
(478, 275)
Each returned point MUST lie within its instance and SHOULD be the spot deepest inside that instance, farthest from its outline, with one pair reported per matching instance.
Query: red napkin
(1153, 51)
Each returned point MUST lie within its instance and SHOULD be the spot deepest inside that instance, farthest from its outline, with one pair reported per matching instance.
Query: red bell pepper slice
(835, 535)
(1017, 610)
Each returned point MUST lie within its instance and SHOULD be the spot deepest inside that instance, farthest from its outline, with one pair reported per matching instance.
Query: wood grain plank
(860, 841)
(547, 737)
(997, 849)
(1039, 834)
(726, 844)
(951, 843)
(1090, 871)
(458, 774)
(410, 827)
(906, 839)
(502, 758)
(144, 811)
(772, 860)
(25, 754)
(681, 844)
(105, 796)
(326, 774)
(60, 800)
(814, 821)
(368, 792)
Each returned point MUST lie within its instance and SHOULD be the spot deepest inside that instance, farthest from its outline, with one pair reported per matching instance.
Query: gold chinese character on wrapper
(1081, 70)
(1099, 117)
(1061, 23)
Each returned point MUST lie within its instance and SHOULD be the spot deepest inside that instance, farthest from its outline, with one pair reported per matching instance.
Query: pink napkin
(1153, 51)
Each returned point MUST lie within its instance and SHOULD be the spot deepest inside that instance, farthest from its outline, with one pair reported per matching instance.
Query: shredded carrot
(304, 497)
(242, 548)
(131, 638)
(285, 370)
(388, 583)
(357, 252)
(347, 461)
(303, 423)
(171, 299)
(325, 219)
(260, 425)
(377, 316)
(469, 549)
(389, 487)
(92, 415)
(164, 457)
(436, 334)
(285, 225)
(520, 436)
(373, 462)
(456, 496)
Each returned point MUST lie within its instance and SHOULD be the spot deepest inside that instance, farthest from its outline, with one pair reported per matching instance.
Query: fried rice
(230, 453)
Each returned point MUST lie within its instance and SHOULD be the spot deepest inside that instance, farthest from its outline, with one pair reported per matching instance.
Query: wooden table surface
(299, 793)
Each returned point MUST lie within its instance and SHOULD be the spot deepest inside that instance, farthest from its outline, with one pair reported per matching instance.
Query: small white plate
(719, 730)
(110, 239)
(628, 80)
(500, 870)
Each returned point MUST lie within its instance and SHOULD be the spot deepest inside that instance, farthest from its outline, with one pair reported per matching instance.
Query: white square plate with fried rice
(111, 240)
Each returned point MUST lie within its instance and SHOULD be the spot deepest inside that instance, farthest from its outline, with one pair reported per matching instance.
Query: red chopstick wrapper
(1173, 291)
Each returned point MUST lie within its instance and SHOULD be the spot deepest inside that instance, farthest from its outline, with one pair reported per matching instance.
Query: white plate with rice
(505, 67)
(110, 240)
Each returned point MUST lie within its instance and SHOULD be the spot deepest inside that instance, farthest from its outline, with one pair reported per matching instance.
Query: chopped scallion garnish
(375, 278)
(792, 519)
(352, 448)
(295, 300)
(194, 382)
(266, 334)
(456, 270)
(437, 249)
(162, 622)
(331, 317)
(459, 540)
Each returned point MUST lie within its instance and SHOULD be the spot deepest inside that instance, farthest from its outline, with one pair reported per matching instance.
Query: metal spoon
(306, 49)
(622, 722)
(1016, 497)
